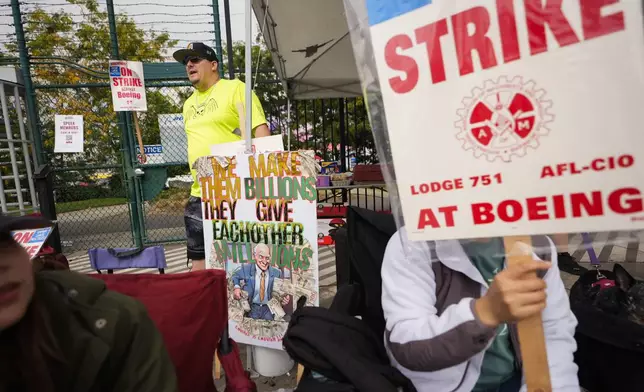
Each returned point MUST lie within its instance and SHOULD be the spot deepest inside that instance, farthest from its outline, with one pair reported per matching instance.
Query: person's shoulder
(87, 294)
(191, 98)
(401, 248)
(233, 83)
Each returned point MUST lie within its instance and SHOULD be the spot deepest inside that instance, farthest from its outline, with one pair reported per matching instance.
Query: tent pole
(249, 75)
(288, 121)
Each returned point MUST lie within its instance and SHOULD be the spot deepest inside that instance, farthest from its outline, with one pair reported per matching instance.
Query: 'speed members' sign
(128, 88)
(523, 116)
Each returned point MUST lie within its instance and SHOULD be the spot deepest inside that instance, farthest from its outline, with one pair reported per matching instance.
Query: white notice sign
(128, 86)
(68, 134)
(513, 117)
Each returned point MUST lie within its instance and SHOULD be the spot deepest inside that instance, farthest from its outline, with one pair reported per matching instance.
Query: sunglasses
(192, 60)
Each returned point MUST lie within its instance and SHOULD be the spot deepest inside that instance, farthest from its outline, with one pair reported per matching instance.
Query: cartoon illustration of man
(258, 279)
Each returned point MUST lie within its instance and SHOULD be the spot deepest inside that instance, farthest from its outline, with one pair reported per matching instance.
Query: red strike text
(596, 165)
(127, 79)
(458, 183)
(624, 201)
(470, 30)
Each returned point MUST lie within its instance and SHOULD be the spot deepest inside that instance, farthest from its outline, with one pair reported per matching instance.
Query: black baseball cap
(196, 49)
(15, 223)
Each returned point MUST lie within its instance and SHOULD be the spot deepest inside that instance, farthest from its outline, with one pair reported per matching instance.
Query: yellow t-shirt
(211, 117)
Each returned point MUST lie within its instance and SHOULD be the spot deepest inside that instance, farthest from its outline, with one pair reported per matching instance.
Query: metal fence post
(30, 94)
(217, 22)
(44, 181)
(128, 151)
(343, 141)
(343, 133)
(229, 41)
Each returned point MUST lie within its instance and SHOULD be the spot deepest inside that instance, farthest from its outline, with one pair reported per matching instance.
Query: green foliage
(315, 124)
(68, 51)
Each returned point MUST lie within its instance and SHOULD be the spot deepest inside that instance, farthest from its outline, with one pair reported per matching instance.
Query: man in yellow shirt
(210, 117)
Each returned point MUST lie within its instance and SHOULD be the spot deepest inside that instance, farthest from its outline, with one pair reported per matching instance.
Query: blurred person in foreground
(467, 340)
(61, 331)
(210, 117)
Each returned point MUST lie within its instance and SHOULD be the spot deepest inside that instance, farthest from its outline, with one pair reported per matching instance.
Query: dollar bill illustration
(282, 287)
(279, 329)
(246, 325)
(266, 329)
(255, 327)
(311, 295)
(236, 314)
(276, 308)
(304, 279)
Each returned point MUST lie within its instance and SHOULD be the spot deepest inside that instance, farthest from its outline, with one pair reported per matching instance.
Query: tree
(66, 52)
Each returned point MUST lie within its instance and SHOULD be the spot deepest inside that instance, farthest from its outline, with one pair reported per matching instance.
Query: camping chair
(123, 258)
(190, 311)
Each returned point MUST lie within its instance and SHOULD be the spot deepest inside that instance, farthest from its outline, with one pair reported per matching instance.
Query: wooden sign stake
(217, 366)
(531, 335)
(139, 137)
(300, 373)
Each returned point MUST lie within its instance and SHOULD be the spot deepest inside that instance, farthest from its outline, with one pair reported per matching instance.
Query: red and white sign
(510, 117)
(128, 86)
(32, 240)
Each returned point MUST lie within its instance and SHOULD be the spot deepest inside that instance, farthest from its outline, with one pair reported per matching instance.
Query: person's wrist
(484, 313)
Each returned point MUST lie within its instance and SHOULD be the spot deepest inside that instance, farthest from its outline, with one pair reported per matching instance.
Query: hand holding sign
(515, 294)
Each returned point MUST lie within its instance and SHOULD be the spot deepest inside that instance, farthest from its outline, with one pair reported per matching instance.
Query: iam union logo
(502, 119)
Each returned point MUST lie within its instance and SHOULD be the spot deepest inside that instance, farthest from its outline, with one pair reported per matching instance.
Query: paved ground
(110, 226)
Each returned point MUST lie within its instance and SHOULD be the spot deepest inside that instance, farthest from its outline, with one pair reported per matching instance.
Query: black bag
(610, 349)
(341, 348)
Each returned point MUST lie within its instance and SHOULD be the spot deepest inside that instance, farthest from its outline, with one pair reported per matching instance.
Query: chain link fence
(97, 203)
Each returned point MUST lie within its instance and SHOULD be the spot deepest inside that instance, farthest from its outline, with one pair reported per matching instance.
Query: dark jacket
(108, 340)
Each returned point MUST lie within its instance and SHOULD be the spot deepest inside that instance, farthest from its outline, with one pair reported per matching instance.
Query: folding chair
(123, 258)
(191, 312)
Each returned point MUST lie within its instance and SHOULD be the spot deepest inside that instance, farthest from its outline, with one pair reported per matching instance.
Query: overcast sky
(190, 21)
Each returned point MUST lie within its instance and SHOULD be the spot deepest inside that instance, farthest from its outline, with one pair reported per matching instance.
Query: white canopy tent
(310, 45)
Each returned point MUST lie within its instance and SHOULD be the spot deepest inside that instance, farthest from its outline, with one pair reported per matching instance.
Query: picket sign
(505, 92)
(32, 240)
(128, 93)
